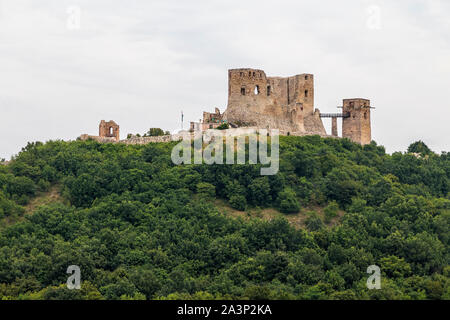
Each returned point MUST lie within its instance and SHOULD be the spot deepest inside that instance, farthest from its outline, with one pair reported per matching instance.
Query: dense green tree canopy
(154, 132)
(419, 147)
(140, 227)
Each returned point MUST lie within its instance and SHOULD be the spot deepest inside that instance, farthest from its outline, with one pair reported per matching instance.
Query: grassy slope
(297, 220)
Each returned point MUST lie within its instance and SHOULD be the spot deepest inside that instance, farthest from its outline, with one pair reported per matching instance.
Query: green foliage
(256, 292)
(8, 207)
(206, 189)
(155, 132)
(238, 202)
(259, 192)
(141, 227)
(395, 267)
(314, 223)
(419, 147)
(287, 201)
(331, 211)
(223, 126)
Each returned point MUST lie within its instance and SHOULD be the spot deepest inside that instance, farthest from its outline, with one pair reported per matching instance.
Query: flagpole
(182, 117)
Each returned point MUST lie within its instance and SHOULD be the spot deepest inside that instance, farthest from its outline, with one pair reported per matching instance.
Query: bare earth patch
(51, 196)
(297, 220)
(42, 198)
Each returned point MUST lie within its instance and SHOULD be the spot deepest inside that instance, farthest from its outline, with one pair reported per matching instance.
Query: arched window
(243, 91)
(256, 89)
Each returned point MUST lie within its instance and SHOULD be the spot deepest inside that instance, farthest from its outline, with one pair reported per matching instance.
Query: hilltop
(140, 227)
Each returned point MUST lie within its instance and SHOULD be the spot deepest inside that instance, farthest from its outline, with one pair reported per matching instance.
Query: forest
(140, 227)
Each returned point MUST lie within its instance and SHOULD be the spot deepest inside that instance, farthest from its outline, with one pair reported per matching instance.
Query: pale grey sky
(141, 62)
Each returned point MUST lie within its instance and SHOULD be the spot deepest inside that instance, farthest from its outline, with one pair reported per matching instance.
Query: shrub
(314, 223)
(331, 211)
(238, 202)
(206, 189)
(155, 132)
(287, 201)
(419, 147)
(223, 126)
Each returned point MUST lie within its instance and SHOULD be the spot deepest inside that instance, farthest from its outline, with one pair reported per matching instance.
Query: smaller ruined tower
(356, 120)
(109, 129)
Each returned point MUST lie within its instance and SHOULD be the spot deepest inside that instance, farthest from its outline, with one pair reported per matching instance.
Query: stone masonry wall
(271, 102)
(207, 135)
(145, 140)
(357, 127)
(85, 137)
(109, 129)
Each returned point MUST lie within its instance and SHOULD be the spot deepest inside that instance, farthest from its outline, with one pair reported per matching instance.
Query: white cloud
(142, 62)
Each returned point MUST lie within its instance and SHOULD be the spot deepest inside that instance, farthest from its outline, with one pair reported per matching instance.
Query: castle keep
(286, 104)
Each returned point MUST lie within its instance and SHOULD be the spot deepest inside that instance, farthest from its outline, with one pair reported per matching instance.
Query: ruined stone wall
(334, 128)
(109, 129)
(271, 102)
(214, 117)
(156, 139)
(85, 137)
(208, 135)
(314, 125)
(357, 126)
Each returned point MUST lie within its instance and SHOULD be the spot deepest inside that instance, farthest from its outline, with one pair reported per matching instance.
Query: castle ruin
(286, 104)
(256, 101)
(107, 132)
(356, 120)
(210, 121)
(109, 129)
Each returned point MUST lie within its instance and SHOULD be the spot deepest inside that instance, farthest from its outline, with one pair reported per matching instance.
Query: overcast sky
(66, 65)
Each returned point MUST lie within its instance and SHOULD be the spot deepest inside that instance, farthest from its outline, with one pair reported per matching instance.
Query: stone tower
(285, 103)
(356, 120)
(109, 129)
